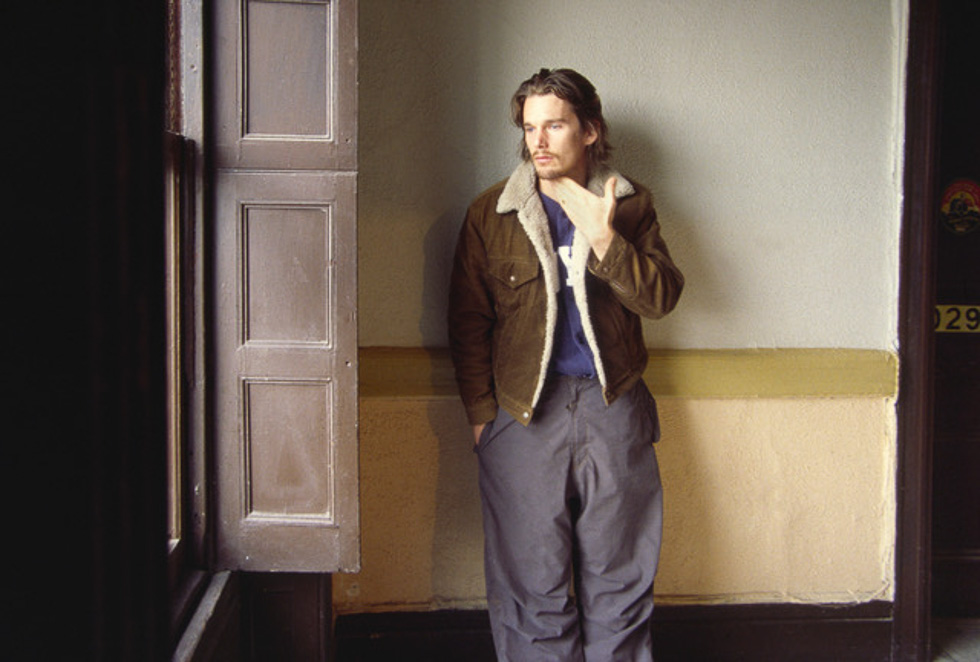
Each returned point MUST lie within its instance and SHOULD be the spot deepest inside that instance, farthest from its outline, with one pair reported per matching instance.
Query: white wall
(768, 130)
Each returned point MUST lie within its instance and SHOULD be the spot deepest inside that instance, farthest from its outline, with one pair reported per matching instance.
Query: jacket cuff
(482, 412)
(607, 266)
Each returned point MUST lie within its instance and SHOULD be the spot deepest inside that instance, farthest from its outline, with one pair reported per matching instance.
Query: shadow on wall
(457, 541)
(708, 277)
(440, 244)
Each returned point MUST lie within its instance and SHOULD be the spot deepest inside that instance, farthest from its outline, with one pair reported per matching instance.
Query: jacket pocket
(509, 278)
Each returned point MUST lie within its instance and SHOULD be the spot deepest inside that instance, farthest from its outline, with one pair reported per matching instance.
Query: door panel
(286, 96)
(287, 274)
(285, 367)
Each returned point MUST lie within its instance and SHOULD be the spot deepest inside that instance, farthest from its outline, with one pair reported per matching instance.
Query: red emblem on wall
(960, 209)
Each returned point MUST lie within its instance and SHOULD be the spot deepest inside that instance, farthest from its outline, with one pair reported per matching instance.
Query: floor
(956, 640)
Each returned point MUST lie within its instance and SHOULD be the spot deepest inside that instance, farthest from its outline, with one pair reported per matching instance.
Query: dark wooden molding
(858, 632)
(916, 299)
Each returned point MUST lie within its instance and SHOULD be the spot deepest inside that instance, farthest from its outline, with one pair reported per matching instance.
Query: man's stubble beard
(549, 172)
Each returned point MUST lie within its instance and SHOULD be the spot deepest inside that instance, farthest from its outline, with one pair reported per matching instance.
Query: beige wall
(770, 134)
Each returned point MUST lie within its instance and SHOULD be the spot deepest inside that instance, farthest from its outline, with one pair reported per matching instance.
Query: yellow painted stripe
(410, 372)
(388, 372)
(772, 373)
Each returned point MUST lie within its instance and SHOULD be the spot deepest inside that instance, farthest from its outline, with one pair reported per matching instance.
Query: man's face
(556, 139)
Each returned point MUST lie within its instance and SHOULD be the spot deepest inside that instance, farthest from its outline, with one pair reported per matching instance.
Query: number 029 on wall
(956, 319)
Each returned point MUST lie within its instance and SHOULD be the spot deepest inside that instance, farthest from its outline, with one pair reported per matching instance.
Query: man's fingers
(610, 191)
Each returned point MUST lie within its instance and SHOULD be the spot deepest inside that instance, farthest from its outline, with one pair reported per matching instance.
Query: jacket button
(527, 414)
(512, 279)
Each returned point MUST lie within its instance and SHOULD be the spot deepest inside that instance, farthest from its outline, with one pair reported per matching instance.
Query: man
(553, 269)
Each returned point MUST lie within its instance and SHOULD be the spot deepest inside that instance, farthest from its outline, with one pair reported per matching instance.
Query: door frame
(913, 560)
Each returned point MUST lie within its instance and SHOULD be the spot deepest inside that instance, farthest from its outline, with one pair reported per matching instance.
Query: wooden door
(956, 453)
(284, 285)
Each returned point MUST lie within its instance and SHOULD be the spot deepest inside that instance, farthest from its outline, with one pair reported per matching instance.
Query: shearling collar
(523, 184)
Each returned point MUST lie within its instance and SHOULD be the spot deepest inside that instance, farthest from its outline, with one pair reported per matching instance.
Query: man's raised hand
(589, 213)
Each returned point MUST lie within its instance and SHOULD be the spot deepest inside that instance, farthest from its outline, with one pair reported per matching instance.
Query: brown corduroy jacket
(503, 294)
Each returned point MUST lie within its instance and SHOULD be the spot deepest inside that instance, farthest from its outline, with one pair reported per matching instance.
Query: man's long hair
(574, 88)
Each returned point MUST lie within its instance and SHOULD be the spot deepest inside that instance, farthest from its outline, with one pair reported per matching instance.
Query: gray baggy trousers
(572, 514)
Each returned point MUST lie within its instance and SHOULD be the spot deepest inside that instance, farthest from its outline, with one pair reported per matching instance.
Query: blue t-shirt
(572, 354)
